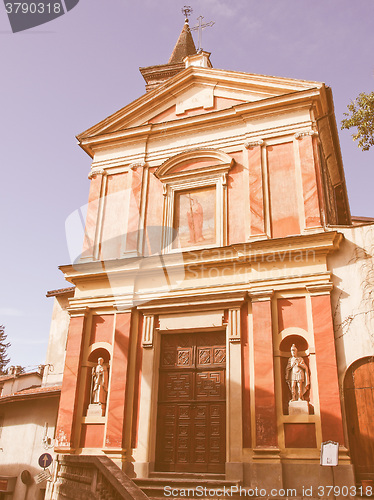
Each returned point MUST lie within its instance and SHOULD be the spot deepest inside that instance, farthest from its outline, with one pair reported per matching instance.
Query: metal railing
(91, 477)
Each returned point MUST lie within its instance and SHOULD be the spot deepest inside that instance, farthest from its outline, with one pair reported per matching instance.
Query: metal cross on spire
(200, 27)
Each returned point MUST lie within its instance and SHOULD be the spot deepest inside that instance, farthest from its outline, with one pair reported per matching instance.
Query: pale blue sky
(63, 77)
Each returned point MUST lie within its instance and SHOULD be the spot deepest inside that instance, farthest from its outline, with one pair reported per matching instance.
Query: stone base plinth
(298, 408)
(96, 410)
(306, 480)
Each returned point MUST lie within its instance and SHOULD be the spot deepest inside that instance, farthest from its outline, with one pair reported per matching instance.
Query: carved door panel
(191, 405)
(359, 403)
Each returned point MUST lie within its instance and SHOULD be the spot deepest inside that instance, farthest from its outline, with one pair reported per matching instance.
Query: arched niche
(96, 353)
(99, 352)
(299, 341)
(285, 353)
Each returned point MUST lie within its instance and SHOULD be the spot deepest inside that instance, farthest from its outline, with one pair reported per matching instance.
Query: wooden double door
(191, 414)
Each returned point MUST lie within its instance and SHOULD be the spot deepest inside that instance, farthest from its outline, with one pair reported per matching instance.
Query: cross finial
(187, 11)
(200, 28)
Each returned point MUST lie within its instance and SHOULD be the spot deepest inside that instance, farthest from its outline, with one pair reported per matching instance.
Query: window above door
(195, 199)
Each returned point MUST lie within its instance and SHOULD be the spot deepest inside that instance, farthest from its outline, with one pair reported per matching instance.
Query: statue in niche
(99, 384)
(297, 375)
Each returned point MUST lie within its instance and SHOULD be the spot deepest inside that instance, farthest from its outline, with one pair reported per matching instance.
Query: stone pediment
(195, 91)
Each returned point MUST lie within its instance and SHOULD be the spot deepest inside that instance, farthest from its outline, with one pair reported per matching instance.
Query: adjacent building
(28, 412)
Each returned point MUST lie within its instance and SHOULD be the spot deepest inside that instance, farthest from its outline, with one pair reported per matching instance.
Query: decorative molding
(96, 171)
(300, 135)
(222, 162)
(266, 453)
(261, 295)
(78, 312)
(322, 289)
(252, 144)
(233, 325)
(224, 179)
(148, 330)
(202, 301)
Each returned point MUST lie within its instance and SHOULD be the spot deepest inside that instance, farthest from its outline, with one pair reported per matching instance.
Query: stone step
(178, 482)
(186, 475)
(238, 497)
(199, 485)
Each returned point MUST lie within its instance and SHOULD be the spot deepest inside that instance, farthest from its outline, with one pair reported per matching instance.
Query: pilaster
(67, 414)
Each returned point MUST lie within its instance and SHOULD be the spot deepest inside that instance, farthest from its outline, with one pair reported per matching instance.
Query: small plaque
(42, 476)
(329, 453)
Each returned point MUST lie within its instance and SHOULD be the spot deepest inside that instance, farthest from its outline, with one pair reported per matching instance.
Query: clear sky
(62, 77)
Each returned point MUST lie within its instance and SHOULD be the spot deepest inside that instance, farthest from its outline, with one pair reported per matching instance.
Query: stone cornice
(225, 296)
(261, 252)
(251, 109)
(208, 301)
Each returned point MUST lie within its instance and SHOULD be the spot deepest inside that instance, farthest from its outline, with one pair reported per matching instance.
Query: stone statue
(297, 375)
(99, 386)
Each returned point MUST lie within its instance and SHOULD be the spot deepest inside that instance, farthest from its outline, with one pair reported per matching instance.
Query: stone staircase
(185, 485)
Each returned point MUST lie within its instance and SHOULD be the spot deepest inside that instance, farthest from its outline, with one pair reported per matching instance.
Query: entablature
(298, 261)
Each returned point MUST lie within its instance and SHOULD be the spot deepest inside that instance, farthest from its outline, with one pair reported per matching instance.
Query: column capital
(305, 133)
(77, 312)
(252, 144)
(320, 289)
(148, 330)
(137, 164)
(233, 325)
(96, 171)
(261, 295)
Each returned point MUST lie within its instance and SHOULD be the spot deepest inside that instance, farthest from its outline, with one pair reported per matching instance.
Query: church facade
(201, 336)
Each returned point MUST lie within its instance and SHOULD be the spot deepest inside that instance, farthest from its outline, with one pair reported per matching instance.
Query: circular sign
(26, 477)
(45, 460)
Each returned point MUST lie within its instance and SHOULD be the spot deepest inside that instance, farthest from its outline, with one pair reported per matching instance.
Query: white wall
(21, 440)
(353, 296)
(55, 358)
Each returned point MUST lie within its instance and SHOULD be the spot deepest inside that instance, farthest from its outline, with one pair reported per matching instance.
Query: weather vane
(200, 27)
(187, 11)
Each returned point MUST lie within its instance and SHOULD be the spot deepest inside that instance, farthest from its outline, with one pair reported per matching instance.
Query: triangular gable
(194, 91)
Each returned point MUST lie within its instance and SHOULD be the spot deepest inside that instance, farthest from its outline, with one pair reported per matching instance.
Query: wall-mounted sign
(26, 477)
(329, 453)
(7, 483)
(42, 476)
